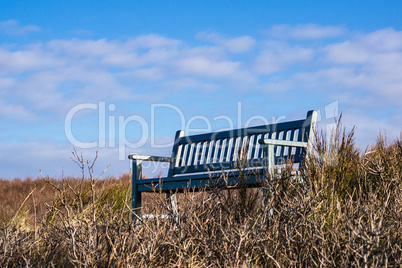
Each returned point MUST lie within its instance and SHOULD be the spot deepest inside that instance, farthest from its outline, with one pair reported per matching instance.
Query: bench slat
(239, 148)
(245, 148)
(212, 153)
(184, 156)
(207, 151)
(256, 147)
(230, 149)
(197, 153)
(190, 155)
(285, 137)
(219, 150)
(224, 151)
(285, 149)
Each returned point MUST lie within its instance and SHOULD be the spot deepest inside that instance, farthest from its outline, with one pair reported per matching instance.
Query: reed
(345, 210)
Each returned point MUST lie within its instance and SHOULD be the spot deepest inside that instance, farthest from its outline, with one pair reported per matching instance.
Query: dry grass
(344, 211)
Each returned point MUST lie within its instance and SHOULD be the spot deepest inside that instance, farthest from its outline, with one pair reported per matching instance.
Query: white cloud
(278, 56)
(382, 40)
(15, 111)
(121, 60)
(55, 75)
(12, 27)
(77, 48)
(190, 83)
(306, 31)
(235, 45)
(153, 41)
(26, 160)
(240, 44)
(6, 83)
(25, 60)
(152, 73)
(206, 67)
(363, 47)
(278, 86)
(53, 159)
(43, 81)
(347, 52)
(368, 128)
(369, 64)
(92, 69)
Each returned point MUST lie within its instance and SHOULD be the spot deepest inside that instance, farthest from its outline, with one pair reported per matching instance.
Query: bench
(198, 159)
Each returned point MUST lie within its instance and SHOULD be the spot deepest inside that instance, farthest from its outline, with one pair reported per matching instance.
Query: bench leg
(269, 155)
(136, 195)
(173, 201)
(264, 196)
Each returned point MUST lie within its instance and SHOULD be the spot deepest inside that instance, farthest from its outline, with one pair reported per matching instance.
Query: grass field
(344, 211)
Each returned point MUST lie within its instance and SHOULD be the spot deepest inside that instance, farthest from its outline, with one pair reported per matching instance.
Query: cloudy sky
(122, 76)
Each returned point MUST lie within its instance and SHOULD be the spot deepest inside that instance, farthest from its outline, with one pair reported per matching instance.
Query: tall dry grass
(345, 210)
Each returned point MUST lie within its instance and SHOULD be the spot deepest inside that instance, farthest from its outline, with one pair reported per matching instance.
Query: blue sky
(120, 77)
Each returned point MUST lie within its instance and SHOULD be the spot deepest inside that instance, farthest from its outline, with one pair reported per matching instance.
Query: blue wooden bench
(198, 160)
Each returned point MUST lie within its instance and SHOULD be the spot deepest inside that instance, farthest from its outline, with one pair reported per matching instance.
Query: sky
(121, 77)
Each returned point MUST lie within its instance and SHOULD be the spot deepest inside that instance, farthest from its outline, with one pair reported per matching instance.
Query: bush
(345, 209)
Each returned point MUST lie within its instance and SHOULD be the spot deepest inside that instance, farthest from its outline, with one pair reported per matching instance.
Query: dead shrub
(344, 209)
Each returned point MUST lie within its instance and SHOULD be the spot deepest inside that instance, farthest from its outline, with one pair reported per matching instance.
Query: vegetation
(344, 210)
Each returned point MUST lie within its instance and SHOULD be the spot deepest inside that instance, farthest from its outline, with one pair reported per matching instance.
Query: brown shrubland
(343, 210)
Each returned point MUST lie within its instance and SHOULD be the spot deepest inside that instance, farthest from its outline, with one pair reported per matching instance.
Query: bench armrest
(283, 143)
(270, 150)
(149, 158)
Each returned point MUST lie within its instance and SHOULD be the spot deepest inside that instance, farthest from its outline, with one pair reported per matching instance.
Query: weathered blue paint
(199, 159)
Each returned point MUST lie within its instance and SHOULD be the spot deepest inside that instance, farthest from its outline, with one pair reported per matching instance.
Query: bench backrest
(224, 150)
